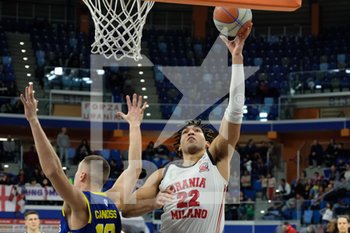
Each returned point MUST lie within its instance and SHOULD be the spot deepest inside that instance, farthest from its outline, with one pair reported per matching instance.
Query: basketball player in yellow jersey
(192, 193)
(85, 208)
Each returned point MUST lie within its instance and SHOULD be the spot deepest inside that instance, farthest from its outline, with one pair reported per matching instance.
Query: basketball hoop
(118, 26)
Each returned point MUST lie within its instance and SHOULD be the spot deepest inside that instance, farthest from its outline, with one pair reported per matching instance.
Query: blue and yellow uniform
(104, 216)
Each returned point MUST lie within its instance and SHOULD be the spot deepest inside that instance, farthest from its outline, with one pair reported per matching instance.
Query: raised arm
(223, 145)
(48, 158)
(123, 187)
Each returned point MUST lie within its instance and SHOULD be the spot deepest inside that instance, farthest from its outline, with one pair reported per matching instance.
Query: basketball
(232, 21)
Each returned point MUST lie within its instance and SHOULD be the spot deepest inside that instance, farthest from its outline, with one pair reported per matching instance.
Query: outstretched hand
(163, 196)
(135, 111)
(235, 46)
(30, 104)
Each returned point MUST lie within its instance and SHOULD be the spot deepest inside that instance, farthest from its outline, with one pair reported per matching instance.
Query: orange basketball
(232, 21)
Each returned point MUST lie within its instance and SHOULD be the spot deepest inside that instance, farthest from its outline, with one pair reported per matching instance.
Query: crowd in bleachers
(285, 62)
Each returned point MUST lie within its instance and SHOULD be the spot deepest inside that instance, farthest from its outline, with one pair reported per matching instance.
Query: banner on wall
(95, 111)
(5, 203)
(41, 194)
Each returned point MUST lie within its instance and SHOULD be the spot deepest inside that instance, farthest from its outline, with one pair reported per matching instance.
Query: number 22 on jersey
(183, 196)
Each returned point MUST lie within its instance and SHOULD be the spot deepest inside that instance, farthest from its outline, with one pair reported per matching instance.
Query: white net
(118, 26)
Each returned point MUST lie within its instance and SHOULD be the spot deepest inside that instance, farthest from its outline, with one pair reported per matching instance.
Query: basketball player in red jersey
(192, 193)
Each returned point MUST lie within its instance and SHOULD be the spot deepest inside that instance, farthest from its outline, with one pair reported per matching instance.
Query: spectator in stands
(332, 146)
(329, 160)
(162, 152)
(6, 107)
(247, 164)
(6, 179)
(262, 149)
(303, 178)
(250, 148)
(249, 209)
(264, 182)
(277, 202)
(32, 221)
(3, 90)
(82, 151)
(36, 174)
(343, 224)
(314, 190)
(334, 174)
(339, 151)
(12, 89)
(347, 172)
(32, 183)
(273, 154)
(327, 214)
(341, 167)
(287, 228)
(116, 170)
(9, 147)
(262, 91)
(297, 187)
(148, 153)
(30, 160)
(308, 186)
(332, 226)
(43, 179)
(21, 178)
(316, 153)
(63, 143)
(284, 189)
(18, 106)
(246, 181)
(271, 184)
(234, 183)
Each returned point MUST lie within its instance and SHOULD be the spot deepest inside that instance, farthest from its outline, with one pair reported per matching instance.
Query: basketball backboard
(272, 5)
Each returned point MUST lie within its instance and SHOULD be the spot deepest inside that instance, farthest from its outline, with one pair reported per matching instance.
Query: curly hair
(209, 134)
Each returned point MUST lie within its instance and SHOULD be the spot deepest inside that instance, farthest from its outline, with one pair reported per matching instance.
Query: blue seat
(324, 66)
(323, 204)
(327, 173)
(341, 58)
(257, 185)
(250, 194)
(105, 154)
(115, 155)
(71, 153)
(316, 217)
(6, 60)
(258, 61)
(308, 214)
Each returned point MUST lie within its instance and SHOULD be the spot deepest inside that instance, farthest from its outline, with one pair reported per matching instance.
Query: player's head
(92, 170)
(32, 221)
(343, 224)
(193, 137)
(285, 226)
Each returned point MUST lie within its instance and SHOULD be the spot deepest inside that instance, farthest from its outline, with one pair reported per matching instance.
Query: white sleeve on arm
(234, 110)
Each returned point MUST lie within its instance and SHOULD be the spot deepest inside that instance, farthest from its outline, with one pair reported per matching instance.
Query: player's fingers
(144, 107)
(121, 115)
(225, 40)
(27, 93)
(31, 92)
(134, 100)
(23, 100)
(139, 102)
(168, 190)
(128, 102)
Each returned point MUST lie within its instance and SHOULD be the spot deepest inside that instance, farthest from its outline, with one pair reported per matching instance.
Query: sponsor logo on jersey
(204, 167)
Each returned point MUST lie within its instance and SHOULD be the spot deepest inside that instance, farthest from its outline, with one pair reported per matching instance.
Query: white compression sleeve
(234, 110)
